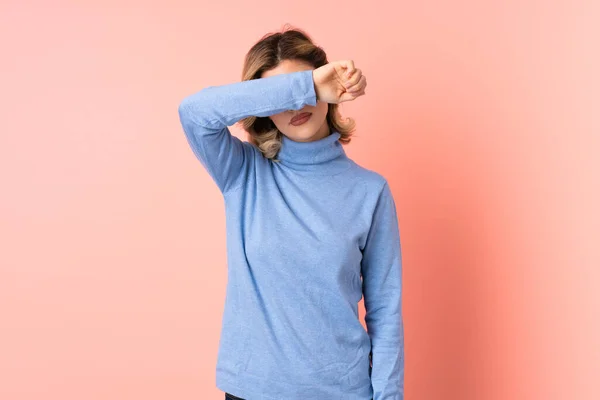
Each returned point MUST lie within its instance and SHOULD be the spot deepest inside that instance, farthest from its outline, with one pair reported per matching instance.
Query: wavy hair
(273, 48)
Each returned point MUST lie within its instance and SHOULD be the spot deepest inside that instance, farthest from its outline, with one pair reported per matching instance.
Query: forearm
(215, 107)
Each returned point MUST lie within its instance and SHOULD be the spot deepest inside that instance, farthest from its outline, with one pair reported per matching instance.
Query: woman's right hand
(339, 81)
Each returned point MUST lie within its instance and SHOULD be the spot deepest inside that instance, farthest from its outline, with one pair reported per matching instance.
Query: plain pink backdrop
(484, 117)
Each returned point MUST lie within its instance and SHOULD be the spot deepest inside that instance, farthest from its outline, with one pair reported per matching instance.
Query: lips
(300, 117)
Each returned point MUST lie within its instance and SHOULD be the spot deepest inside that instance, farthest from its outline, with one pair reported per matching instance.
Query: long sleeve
(381, 268)
(206, 115)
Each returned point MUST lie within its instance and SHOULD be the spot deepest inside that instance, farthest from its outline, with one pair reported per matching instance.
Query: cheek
(279, 119)
(321, 110)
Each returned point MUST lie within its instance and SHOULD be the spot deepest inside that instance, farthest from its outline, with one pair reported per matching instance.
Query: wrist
(315, 85)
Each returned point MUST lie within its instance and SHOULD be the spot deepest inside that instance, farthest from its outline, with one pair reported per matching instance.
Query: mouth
(300, 119)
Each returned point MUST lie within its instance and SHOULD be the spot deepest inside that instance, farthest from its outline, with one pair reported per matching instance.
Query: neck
(323, 156)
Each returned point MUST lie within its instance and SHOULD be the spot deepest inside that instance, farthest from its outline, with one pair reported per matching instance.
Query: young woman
(309, 232)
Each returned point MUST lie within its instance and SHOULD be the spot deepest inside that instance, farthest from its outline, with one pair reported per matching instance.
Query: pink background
(483, 115)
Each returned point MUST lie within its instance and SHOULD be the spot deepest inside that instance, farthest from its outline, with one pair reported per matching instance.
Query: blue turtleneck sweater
(307, 238)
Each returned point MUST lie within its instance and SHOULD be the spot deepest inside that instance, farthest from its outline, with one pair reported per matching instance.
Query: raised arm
(206, 115)
(381, 269)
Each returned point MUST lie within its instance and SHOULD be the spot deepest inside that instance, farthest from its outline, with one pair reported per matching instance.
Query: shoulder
(372, 180)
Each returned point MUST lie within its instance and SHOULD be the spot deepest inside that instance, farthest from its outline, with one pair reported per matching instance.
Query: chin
(299, 133)
(303, 136)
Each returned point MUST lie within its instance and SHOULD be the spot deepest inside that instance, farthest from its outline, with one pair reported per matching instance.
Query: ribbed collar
(325, 156)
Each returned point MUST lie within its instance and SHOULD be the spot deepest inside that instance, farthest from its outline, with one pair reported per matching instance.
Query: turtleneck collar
(325, 156)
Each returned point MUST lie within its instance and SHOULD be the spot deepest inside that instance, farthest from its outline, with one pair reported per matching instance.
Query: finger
(351, 96)
(348, 97)
(358, 93)
(349, 64)
(354, 79)
(362, 83)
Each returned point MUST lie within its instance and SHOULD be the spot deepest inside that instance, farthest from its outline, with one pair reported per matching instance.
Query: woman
(309, 232)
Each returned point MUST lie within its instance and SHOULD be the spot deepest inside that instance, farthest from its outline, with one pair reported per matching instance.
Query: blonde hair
(267, 53)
